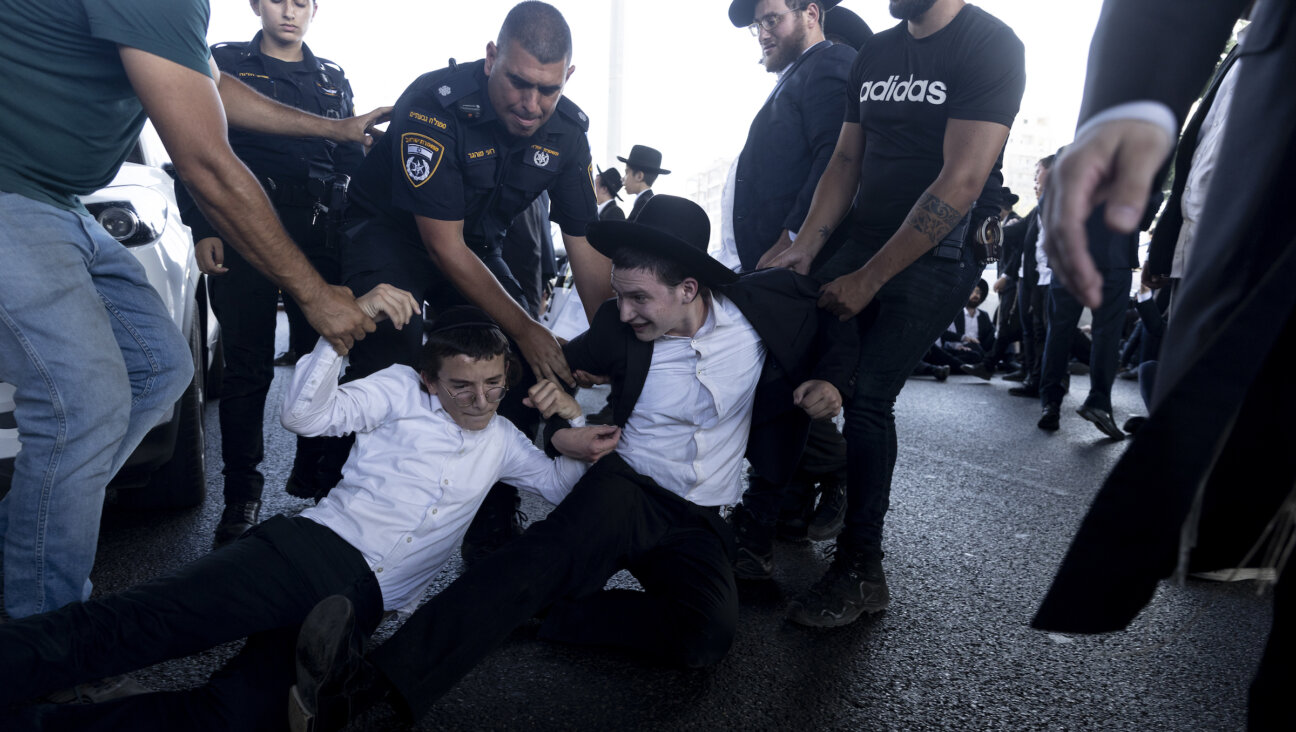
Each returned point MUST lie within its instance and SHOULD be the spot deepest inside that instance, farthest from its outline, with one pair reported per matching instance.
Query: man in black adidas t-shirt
(931, 103)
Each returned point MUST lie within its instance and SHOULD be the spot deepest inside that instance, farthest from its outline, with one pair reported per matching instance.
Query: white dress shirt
(971, 327)
(414, 478)
(689, 428)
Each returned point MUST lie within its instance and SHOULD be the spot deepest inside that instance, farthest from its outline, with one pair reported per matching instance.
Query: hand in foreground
(585, 379)
(818, 398)
(1000, 284)
(587, 443)
(1114, 163)
(794, 258)
(544, 355)
(550, 398)
(847, 295)
(385, 301)
(333, 312)
(210, 253)
(361, 128)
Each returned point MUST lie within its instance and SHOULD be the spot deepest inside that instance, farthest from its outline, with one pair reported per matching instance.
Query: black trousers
(1008, 323)
(1032, 303)
(244, 301)
(260, 587)
(613, 519)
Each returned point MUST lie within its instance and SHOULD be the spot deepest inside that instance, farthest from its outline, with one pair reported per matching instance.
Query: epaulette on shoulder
(231, 47)
(453, 84)
(567, 108)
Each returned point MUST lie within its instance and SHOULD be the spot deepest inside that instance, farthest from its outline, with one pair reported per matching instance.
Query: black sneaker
(830, 514)
(236, 519)
(798, 508)
(755, 560)
(334, 682)
(498, 522)
(854, 585)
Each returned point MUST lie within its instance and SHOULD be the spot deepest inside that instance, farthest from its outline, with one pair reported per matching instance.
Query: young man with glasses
(429, 448)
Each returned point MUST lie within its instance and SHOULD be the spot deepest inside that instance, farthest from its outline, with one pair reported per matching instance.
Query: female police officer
(304, 178)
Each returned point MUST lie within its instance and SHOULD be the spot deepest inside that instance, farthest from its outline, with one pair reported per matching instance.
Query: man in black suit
(642, 168)
(607, 186)
(1213, 463)
(1020, 266)
(697, 358)
(792, 136)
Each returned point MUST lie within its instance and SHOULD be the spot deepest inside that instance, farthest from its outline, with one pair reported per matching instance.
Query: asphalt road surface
(983, 506)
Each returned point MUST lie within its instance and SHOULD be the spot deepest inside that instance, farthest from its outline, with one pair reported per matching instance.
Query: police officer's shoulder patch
(568, 109)
(545, 157)
(421, 156)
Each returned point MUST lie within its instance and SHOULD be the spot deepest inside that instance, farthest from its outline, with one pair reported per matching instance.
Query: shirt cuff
(1154, 113)
(1144, 296)
(577, 421)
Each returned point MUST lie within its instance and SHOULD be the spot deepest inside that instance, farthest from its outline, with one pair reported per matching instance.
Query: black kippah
(462, 316)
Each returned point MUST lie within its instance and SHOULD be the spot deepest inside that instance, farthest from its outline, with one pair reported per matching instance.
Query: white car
(138, 208)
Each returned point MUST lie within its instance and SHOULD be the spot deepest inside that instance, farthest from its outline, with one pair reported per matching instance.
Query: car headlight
(135, 216)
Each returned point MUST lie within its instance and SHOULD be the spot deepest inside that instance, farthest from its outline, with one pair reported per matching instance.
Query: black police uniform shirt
(446, 156)
(284, 165)
(903, 92)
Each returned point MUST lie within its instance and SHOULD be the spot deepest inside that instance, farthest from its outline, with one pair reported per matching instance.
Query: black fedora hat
(742, 13)
(646, 159)
(611, 179)
(670, 227)
(841, 23)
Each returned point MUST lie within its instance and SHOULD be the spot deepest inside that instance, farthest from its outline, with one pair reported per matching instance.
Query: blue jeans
(912, 310)
(1108, 322)
(95, 362)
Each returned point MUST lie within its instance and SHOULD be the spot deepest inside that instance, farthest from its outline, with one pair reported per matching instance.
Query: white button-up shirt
(414, 478)
(689, 428)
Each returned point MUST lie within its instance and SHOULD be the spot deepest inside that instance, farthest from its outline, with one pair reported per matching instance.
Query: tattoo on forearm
(933, 218)
(824, 233)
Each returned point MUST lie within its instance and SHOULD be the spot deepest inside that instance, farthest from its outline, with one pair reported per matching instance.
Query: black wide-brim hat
(742, 13)
(611, 180)
(646, 159)
(844, 24)
(670, 227)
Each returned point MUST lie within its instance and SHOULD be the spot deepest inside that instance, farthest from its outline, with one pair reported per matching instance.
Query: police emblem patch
(582, 116)
(541, 158)
(444, 90)
(421, 156)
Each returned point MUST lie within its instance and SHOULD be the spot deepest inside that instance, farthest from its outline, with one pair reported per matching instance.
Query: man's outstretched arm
(186, 110)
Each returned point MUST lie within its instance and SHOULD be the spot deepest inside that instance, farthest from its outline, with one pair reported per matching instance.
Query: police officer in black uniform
(305, 179)
(469, 148)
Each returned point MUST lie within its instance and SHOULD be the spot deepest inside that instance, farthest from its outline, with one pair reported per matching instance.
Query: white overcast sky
(692, 82)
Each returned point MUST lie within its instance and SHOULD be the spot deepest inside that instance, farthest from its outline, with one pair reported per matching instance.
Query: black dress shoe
(1133, 424)
(236, 519)
(1027, 389)
(334, 682)
(1018, 375)
(941, 372)
(1051, 418)
(978, 370)
(1102, 419)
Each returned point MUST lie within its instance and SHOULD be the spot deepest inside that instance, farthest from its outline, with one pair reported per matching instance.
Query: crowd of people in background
(752, 393)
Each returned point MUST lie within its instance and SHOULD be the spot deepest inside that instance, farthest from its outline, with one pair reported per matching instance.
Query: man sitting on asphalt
(685, 345)
(429, 447)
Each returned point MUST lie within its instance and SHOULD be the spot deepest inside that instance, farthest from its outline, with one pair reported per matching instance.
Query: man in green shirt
(86, 342)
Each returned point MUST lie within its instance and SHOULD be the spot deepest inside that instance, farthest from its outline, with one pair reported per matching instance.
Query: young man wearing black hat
(380, 537)
(932, 100)
(642, 168)
(698, 359)
(607, 185)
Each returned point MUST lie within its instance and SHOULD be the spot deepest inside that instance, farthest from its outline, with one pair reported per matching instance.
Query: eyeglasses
(468, 397)
(769, 22)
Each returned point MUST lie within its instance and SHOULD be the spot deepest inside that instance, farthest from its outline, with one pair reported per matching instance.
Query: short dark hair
(1046, 162)
(474, 341)
(668, 271)
(648, 177)
(539, 29)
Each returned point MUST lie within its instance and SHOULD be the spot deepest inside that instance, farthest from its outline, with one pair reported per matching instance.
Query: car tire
(181, 482)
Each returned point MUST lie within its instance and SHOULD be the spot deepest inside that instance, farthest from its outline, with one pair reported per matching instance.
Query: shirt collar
(254, 47)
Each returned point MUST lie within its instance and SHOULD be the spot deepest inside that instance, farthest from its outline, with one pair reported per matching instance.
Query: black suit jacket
(612, 212)
(985, 330)
(802, 342)
(788, 146)
(640, 201)
(1227, 323)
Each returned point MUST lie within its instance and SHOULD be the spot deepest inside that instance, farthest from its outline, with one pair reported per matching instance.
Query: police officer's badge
(541, 159)
(421, 156)
(444, 90)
